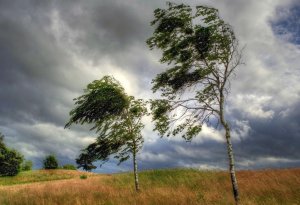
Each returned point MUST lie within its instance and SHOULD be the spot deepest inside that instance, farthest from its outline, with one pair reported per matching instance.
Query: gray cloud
(50, 50)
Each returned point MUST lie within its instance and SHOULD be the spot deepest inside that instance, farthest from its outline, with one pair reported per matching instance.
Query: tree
(116, 117)
(50, 162)
(85, 161)
(202, 53)
(10, 160)
(26, 165)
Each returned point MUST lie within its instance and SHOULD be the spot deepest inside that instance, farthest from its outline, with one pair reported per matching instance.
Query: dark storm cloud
(108, 27)
(113, 29)
(50, 50)
(170, 154)
(38, 77)
(287, 25)
(278, 137)
(30, 65)
(270, 143)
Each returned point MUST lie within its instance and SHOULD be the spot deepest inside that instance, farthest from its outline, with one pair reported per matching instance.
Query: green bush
(50, 162)
(83, 176)
(10, 160)
(26, 165)
(69, 167)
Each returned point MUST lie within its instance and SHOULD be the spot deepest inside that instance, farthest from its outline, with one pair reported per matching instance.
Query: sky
(50, 51)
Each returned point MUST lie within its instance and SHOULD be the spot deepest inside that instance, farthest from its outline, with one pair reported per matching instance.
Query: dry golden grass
(167, 187)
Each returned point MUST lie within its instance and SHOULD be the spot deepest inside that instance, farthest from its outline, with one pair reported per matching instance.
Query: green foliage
(160, 109)
(10, 160)
(85, 161)
(119, 136)
(50, 162)
(69, 167)
(101, 100)
(202, 52)
(83, 176)
(115, 116)
(26, 165)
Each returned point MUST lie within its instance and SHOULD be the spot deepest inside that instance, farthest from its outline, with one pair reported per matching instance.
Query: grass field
(166, 187)
(39, 176)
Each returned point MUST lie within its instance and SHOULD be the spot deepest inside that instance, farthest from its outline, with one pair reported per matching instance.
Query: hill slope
(174, 186)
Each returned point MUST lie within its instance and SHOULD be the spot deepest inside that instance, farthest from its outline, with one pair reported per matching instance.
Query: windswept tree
(202, 53)
(116, 118)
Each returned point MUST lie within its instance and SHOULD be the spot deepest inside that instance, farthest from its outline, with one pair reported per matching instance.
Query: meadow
(166, 187)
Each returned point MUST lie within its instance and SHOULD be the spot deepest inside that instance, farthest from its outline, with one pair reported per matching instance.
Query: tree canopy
(10, 160)
(202, 53)
(118, 135)
(50, 162)
(102, 99)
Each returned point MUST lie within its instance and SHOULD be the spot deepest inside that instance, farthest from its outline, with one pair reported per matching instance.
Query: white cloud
(207, 133)
(253, 106)
(153, 157)
(201, 166)
(266, 161)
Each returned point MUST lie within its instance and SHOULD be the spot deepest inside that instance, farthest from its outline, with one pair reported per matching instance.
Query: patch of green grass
(83, 176)
(165, 178)
(36, 176)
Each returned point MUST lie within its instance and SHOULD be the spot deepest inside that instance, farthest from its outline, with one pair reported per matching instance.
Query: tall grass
(167, 187)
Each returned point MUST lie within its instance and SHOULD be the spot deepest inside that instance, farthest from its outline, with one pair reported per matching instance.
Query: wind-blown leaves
(116, 118)
(201, 51)
(102, 99)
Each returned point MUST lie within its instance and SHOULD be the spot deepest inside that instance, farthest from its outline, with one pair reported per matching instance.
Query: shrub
(27, 165)
(83, 176)
(69, 167)
(10, 160)
(50, 162)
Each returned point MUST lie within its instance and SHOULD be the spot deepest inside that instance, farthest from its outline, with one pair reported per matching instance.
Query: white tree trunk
(235, 188)
(234, 183)
(135, 171)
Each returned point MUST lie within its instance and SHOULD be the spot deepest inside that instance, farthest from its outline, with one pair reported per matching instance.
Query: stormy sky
(50, 50)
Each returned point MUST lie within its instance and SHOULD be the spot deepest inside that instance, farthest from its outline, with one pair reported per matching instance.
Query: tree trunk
(234, 183)
(135, 171)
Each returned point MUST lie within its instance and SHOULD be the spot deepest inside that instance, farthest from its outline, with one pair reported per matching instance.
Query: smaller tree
(50, 162)
(26, 165)
(10, 160)
(116, 117)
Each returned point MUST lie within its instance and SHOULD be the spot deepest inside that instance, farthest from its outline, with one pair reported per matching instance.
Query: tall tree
(202, 53)
(116, 118)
